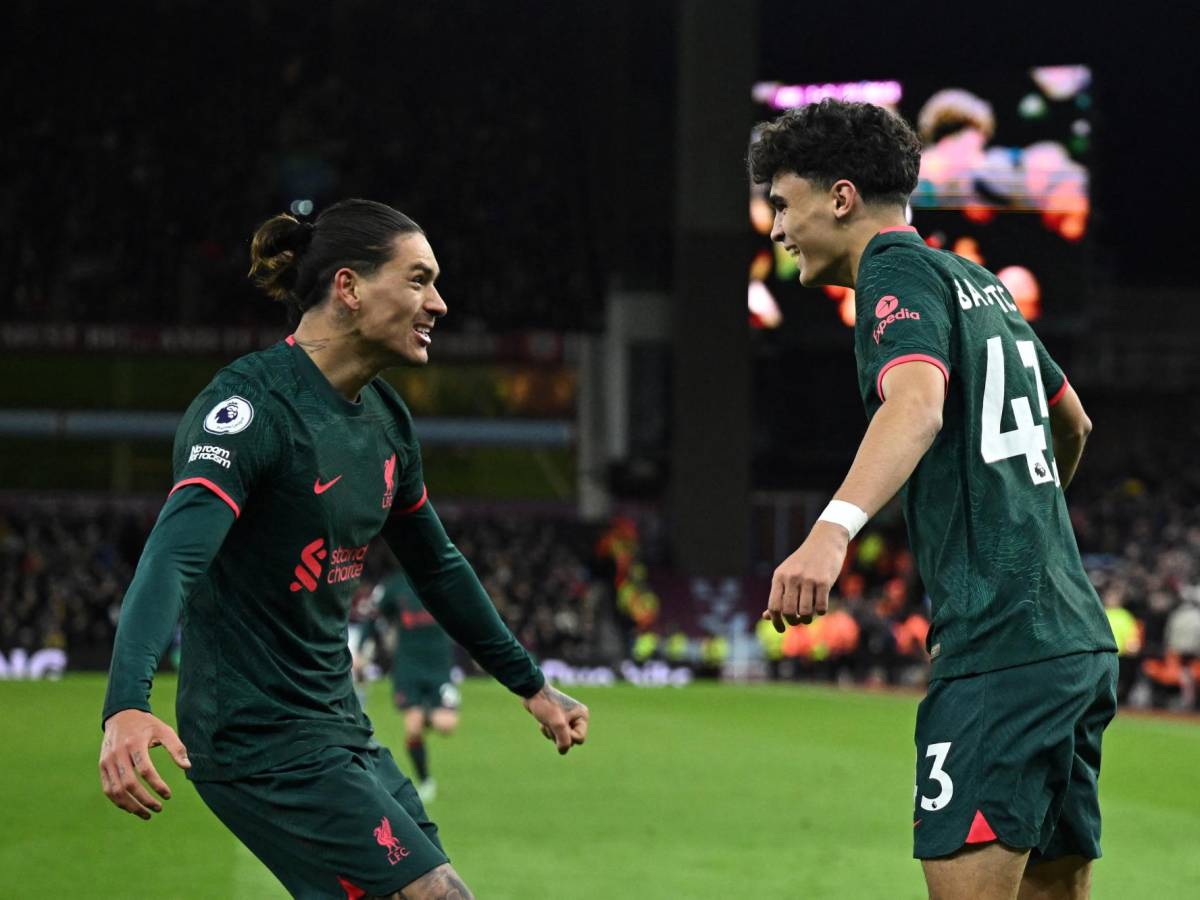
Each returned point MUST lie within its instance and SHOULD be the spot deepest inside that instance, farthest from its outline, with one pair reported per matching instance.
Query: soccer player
(286, 467)
(972, 418)
(421, 684)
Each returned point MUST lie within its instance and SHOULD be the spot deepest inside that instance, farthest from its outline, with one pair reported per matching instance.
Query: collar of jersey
(315, 378)
(899, 234)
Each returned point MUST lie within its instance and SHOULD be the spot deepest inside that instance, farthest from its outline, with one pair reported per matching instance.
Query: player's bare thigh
(414, 722)
(443, 720)
(1068, 878)
(983, 872)
(441, 883)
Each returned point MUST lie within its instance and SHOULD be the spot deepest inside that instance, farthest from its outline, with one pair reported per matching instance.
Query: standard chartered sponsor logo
(346, 564)
(208, 452)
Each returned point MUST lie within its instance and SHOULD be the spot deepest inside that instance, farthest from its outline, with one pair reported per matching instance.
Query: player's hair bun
(275, 252)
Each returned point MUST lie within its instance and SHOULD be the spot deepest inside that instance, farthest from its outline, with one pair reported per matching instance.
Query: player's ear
(345, 289)
(844, 196)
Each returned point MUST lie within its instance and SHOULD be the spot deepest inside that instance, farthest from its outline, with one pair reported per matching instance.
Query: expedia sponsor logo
(886, 312)
(209, 453)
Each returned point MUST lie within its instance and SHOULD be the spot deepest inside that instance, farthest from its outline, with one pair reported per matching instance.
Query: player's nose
(435, 305)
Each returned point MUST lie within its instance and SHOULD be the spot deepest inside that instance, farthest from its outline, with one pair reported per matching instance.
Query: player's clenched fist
(125, 760)
(564, 720)
(801, 584)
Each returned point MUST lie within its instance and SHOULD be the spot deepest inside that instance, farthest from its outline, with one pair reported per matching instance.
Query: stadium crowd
(64, 571)
(580, 592)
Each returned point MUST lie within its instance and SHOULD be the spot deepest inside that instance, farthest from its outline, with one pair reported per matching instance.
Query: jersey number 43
(1028, 439)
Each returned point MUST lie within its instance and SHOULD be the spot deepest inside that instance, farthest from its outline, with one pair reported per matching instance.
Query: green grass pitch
(711, 791)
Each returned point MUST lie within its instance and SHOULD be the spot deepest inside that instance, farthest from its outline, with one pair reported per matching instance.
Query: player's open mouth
(423, 335)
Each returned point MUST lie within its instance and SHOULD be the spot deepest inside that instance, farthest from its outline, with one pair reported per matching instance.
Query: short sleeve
(228, 438)
(1054, 380)
(901, 316)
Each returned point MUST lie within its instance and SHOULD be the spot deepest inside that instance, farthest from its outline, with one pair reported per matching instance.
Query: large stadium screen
(1004, 181)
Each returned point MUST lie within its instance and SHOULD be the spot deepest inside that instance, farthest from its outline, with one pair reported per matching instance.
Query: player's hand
(801, 584)
(125, 760)
(564, 720)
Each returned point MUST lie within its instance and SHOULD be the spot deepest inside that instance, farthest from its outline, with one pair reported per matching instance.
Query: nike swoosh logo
(319, 488)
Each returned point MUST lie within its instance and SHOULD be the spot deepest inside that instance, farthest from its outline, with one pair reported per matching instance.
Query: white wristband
(849, 516)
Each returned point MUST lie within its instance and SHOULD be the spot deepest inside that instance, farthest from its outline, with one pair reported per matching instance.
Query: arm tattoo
(565, 703)
(137, 757)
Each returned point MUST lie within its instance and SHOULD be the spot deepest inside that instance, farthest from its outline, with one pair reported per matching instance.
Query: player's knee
(442, 883)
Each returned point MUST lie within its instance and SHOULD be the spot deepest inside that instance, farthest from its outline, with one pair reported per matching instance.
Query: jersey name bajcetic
(986, 516)
(311, 478)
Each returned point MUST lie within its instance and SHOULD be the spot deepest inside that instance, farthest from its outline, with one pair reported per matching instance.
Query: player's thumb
(175, 747)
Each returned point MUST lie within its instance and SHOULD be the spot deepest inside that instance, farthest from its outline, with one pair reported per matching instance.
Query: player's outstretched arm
(1069, 429)
(564, 720)
(902, 430)
(451, 591)
(185, 539)
(125, 760)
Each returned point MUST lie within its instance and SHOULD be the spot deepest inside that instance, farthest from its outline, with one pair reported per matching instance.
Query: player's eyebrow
(776, 200)
(420, 268)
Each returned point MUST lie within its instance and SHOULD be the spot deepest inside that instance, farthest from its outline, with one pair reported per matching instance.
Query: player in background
(286, 468)
(422, 687)
(970, 416)
(360, 638)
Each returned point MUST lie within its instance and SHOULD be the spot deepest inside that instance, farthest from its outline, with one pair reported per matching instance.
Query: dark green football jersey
(986, 516)
(422, 647)
(311, 477)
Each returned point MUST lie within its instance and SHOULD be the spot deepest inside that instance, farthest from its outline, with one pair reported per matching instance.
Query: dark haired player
(972, 418)
(286, 467)
(422, 686)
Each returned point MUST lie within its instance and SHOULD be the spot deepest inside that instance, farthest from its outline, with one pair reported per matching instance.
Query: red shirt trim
(353, 891)
(412, 509)
(910, 357)
(290, 340)
(212, 487)
(897, 228)
(1058, 395)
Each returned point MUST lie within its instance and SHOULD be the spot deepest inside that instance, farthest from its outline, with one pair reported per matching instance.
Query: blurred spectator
(1127, 632)
(1183, 642)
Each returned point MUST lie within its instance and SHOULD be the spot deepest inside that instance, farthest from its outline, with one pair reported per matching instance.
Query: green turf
(705, 792)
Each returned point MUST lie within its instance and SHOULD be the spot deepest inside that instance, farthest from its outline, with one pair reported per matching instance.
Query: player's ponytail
(275, 254)
(294, 262)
